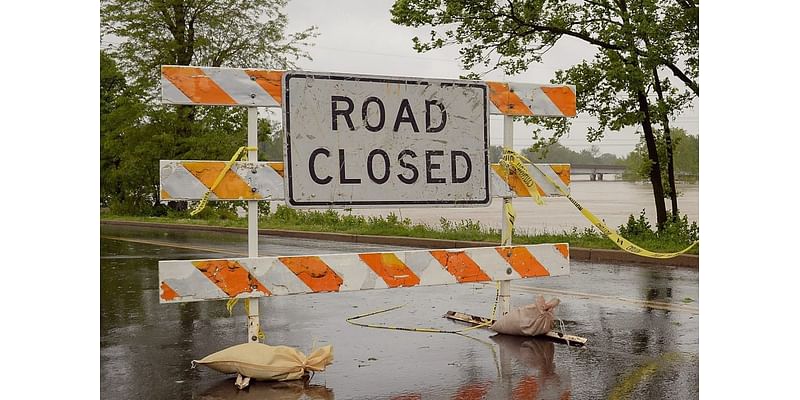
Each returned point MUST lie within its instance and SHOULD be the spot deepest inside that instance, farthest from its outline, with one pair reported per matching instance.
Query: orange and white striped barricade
(218, 279)
(253, 181)
(190, 180)
(188, 85)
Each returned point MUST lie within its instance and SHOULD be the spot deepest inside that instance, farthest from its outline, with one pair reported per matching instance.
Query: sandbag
(531, 320)
(263, 362)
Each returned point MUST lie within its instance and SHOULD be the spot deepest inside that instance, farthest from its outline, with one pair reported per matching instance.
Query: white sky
(359, 37)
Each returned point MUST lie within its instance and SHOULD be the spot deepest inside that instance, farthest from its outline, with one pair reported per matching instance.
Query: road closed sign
(355, 141)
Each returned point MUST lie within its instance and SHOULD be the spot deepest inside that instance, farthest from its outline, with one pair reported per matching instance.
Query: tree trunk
(673, 192)
(652, 154)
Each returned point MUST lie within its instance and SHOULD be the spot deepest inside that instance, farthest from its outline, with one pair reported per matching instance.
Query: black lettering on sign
(311, 169)
(411, 167)
(430, 166)
(465, 156)
(428, 127)
(405, 108)
(342, 173)
(371, 173)
(336, 111)
(381, 114)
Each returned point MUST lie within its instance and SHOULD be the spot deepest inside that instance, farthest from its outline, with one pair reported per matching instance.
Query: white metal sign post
(253, 319)
(370, 141)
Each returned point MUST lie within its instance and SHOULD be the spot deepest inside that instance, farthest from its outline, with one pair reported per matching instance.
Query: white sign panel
(355, 141)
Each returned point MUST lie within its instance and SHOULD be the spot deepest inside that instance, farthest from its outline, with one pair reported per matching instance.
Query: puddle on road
(146, 348)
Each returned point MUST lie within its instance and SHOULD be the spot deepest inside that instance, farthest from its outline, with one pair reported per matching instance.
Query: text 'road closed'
(374, 141)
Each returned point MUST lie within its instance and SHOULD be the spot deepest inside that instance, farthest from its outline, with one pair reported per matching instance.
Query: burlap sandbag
(531, 320)
(263, 362)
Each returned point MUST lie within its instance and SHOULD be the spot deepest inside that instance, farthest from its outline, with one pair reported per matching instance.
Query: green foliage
(686, 155)
(675, 230)
(136, 132)
(216, 33)
(634, 39)
(557, 153)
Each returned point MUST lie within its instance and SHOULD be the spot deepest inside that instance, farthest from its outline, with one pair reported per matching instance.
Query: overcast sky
(359, 37)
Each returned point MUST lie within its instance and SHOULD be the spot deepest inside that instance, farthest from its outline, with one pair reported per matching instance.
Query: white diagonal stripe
(187, 281)
(277, 277)
(552, 259)
(539, 103)
(429, 270)
(355, 273)
(266, 181)
(493, 264)
(180, 183)
(237, 84)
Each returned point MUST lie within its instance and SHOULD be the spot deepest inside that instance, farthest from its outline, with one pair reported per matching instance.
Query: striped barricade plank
(531, 99)
(220, 86)
(190, 85)
(190, 180)
(199, 280)
(245, 180)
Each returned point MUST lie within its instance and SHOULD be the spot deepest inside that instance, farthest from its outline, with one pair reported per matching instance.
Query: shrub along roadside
(676, 235)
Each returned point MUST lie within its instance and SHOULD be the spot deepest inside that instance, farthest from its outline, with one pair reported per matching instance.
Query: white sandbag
(263, 362)
(531, 320)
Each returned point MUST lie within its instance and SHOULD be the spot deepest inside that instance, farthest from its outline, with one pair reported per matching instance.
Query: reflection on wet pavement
(642, 326)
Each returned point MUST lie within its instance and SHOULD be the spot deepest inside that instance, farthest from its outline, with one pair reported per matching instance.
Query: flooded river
(612, 201)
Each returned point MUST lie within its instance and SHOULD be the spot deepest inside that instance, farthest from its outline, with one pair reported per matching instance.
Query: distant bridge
(595, 172)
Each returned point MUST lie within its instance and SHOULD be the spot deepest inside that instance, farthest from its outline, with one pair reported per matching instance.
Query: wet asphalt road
(641, 323)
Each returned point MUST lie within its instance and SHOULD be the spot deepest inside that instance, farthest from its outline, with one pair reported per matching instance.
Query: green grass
(391, 225)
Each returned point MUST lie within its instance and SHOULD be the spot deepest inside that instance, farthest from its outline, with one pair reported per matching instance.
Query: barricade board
(190, 180)
(190, 85)
(199, 280)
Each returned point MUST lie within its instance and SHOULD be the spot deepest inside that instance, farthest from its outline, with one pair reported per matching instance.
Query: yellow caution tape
(516, 159)
(232, 302)
(228, 165)
(513, 163)
(352, 319)
(509, 217)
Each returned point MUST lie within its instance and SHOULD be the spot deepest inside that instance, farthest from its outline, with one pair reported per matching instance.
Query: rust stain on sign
(230, 276)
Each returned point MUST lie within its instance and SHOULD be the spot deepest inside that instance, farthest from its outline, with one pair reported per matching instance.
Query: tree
(633, 38)
(687, 159)
(151, 33)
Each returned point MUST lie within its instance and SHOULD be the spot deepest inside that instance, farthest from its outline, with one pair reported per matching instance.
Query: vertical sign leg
(505, 286)
(253, 323)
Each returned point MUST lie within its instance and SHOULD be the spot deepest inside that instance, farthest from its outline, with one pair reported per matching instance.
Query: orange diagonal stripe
(393, 271)
(230, 276)
(277, 166)
(563, 249)
(197, 86)
(165, 195)
(270, 81)
(515, 183)
(460, 266)
(522, 261)
(562, 170)
(167, 293)
(507, 101)
(512, 180)
(563, 97)
(231, 187)
(317, 275)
